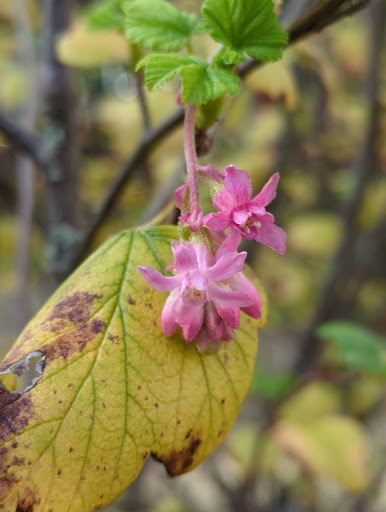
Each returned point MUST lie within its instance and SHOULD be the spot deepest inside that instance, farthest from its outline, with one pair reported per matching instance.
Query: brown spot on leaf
(74, 308)
(27, 500)
(131, 301)
(74, 341)
(114, 339)
(15, 417)
(188, 433)
(223, 400)
(6, 484)
(71, 449)
(177, 463)
(18, 462)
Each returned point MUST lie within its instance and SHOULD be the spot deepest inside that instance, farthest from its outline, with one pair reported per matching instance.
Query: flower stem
(191, 157)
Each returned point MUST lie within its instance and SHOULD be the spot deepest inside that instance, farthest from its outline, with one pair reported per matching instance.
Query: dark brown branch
(25, 141)
(324, 14)
(149, 141)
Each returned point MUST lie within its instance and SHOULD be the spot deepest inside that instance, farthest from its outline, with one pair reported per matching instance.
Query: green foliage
(356, 347)
(106, 15)
(159, 25)
(161, 68)
(201, 86)
(248, 26)
(271, 386)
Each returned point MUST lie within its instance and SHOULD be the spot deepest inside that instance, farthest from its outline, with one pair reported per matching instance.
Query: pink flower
(248, 216)
(192, 219)
(206, 295)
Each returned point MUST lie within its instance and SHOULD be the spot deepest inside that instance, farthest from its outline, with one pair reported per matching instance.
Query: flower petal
(180, 194)
(240, 282)
(224, 201)
(268, 192)
(231, 316)
(204, 256)
(217, 221)
(213, 321)
(272, 235)
(238, 184)
(169, 324)
(190, 319)
(240, 216)
(227, 297)
(159, 281)
(212, 173)
(184, 256)
(230, 244)
(226, 266)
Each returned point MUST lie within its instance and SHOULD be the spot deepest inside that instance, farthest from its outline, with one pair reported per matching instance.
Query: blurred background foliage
(311, 436)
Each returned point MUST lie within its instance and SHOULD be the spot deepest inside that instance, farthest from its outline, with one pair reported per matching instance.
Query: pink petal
(184, 256)
(189, 294)
(193, 219)
(159, 281)
(203, 341)
(179, 195)
(228, 333)
(241, 283)
(238, 184)
(226, 266)
(227, 297)
(169, 324)
(230, 244)
(272, 235)
(211, 173)
(213, 321)
(224, 201)
(231, 316)
(205, 258)
(240, 216)
(268, 192)
(190, 318)
(217, 221)
(256, 210)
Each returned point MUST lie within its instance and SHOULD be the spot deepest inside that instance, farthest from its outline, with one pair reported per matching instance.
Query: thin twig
(25, 170)
(324, 14)
(25, 141)
(149, 141)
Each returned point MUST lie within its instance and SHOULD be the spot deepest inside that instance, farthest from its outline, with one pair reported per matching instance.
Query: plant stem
(191, 157)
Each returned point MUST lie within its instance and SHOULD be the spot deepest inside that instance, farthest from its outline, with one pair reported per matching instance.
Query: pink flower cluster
(208, 288)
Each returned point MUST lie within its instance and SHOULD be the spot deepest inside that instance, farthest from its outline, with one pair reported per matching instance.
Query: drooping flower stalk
(193, 217)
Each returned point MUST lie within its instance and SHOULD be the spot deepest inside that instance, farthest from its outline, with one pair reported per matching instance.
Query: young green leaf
(161, 68)
(106, 15)
(112, 389)
(201, 86)
(248, 26)
(356, 347)
(159, 25)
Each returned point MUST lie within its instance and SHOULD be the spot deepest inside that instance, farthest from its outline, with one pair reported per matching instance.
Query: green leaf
(356, 347)
(161, 68)
(271, 386)
(201, 86)
(105, 15)
(112, 390)
(248, 26)
(159, 25)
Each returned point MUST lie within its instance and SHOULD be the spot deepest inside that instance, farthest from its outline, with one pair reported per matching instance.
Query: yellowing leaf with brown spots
(110, 389)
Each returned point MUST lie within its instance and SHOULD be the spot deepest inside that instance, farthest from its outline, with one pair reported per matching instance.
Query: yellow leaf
(332, 445)
(314, 400)
(113, 390)
(275, 81)
(82, 48)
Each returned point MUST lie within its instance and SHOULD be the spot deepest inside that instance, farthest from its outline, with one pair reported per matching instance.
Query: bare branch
(25, 141)
(149, 141)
